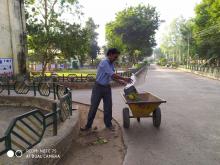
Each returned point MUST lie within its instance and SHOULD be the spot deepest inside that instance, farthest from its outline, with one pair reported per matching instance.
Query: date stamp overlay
(45, 153)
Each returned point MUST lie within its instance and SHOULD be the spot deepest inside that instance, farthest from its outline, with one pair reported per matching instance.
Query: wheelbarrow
(147, 105)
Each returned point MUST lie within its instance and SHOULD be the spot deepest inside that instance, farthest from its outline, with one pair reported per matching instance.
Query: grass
(88, 71)
(69, 73)
(83, 72)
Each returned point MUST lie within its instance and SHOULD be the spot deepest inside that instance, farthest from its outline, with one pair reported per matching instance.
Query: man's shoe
(85, 129)
(111, 128)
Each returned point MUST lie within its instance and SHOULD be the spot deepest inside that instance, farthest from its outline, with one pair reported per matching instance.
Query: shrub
(174, 64)
(162, 61)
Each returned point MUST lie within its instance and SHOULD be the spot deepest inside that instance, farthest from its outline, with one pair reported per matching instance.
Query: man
(102, 89)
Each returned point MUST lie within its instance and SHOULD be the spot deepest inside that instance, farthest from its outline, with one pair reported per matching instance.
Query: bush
(145, 62)
(96, 62)
(174, 64)
(139, 65)
(162, 61)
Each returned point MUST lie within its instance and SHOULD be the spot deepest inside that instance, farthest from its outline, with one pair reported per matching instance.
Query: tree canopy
(50, 35)
(93, 44)
(176, 40)
(207, 28)
(196, 39)
(133, 31)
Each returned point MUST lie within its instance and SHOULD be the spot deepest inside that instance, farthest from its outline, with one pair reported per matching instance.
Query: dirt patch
(99, 146)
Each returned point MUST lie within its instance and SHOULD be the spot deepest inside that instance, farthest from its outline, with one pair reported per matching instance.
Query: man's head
(113, 54)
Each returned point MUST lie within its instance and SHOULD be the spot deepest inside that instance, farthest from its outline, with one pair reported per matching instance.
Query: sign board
(61, 66)
(39, 67)
(6, 66)
(52, 66)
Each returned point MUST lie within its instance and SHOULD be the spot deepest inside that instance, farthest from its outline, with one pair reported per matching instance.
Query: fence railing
(213, 71)
(43, 88)
(27, 130)
(58, 78)
(202, 68)
(61, 78)
(74, 77)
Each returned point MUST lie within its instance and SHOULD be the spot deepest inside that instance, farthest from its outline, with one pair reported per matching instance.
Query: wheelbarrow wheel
(138, 119)
(157, 117)
(126, 119)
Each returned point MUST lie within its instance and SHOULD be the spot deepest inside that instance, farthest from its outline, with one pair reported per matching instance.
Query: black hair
(113, 51)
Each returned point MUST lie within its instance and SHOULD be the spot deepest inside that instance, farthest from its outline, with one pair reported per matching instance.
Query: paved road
(189, 132)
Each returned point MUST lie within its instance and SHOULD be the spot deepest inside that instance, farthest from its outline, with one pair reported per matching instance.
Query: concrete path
(189, 132)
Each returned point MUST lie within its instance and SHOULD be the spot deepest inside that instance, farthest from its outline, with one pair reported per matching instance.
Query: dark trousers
(100, 92)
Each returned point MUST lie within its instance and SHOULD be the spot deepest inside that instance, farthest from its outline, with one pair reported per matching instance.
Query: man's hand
(128, 80)
(120, 79)
(122, 82)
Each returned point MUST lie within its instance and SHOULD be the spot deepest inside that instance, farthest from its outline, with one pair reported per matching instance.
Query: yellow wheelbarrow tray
(147, 105)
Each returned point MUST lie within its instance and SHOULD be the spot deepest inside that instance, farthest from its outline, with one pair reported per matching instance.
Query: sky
(103, 11)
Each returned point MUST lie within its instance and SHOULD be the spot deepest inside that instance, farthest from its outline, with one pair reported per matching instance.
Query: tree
(134, 29)
(172, 43)
(73, 42)
(93, 44)
(177, 42)
(158, 53)
(113, 40)
(196, 39)
(46, 30)
(206, 29)
(189, 49)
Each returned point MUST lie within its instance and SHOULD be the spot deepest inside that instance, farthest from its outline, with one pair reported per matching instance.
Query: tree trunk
(92, 61)
(44, 68)
(133, 60)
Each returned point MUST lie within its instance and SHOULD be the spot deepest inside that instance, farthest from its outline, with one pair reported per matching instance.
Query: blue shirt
(104, 72)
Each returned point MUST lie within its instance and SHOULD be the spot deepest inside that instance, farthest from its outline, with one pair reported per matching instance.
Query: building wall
(12, 38)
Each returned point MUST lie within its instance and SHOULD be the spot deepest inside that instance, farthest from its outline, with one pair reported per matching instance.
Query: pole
(187, 60)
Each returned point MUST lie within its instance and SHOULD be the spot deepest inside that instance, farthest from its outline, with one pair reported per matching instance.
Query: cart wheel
(138, 119)
(126, 119)
(157, 117)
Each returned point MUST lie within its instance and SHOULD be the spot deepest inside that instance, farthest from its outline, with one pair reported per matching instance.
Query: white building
(101, 54)
(12, 42)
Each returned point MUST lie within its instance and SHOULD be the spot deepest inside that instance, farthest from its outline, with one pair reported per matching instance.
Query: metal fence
(59, 78)
(27, 130)
(203, 70)
(74, 77)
